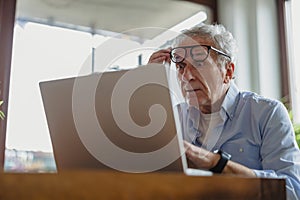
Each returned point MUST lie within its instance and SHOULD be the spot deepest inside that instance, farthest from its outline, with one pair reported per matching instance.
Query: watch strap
(222, 162)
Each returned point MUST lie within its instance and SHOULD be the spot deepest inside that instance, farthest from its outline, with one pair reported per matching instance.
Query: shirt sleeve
(279, 151)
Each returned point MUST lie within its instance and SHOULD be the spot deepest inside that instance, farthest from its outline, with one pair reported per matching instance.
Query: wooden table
(122, 186)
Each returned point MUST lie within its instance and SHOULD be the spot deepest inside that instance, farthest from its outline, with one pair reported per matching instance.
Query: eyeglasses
(199, 53)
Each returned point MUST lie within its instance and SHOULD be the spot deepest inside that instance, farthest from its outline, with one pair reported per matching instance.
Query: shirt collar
(230, 101)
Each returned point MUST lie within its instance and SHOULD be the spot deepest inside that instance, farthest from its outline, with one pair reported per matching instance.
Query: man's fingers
(193, 152)
(186, 145)
(159, 59)
(189, 150)
(160, 56)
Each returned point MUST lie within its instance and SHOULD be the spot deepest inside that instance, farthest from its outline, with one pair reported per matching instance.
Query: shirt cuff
(265, 173)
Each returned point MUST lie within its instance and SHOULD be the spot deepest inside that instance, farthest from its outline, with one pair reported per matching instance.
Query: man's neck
(215, 107)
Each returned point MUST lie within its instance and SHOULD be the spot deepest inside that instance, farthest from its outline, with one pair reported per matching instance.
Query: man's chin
(196, 103)
(193, 103)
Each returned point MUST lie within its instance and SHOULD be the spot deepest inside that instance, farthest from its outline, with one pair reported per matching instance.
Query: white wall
(254, 25)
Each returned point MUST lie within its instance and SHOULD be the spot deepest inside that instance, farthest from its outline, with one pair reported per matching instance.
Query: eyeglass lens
(198, 53)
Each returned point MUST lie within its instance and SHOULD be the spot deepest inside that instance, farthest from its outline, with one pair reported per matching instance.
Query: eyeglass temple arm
(220, 52)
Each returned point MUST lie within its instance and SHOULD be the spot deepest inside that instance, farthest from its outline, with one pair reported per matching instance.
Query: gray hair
(216, 33)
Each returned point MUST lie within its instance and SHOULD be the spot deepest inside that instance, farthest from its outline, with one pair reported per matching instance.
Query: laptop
(120, 120)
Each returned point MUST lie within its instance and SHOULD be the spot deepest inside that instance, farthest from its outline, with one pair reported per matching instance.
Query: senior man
(225, 130)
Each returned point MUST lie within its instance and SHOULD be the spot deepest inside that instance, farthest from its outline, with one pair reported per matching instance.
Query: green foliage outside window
(297, 132)
(296, 126)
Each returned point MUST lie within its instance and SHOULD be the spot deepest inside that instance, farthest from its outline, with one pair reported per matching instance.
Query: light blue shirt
(258, 134)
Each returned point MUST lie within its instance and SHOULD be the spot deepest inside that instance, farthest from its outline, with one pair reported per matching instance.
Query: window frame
(7, 22)
(285, 82)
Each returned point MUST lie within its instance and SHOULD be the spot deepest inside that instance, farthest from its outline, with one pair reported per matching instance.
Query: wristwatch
(222, 162)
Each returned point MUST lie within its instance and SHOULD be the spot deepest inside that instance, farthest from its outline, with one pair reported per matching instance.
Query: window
(293, 49)
(47, 50)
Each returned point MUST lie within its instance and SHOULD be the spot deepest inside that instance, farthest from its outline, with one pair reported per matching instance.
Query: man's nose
(188, 72)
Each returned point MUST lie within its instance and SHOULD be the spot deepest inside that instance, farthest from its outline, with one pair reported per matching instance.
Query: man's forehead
(189, 41)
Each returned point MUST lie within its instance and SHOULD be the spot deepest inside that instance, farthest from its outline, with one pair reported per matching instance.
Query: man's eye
(180, 66)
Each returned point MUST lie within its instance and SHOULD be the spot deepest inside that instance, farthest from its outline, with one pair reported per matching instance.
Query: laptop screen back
(119, 120)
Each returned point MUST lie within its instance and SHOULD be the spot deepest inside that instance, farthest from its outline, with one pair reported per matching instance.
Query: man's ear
(229, 72)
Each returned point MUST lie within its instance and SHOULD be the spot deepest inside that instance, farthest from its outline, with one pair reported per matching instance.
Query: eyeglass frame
(191, 48)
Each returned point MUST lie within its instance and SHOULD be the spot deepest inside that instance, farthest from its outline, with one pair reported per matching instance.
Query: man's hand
(199, 157)
(160, 56)
(203, 159)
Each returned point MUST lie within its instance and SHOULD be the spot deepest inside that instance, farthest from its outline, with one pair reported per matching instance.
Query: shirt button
(241, 150)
